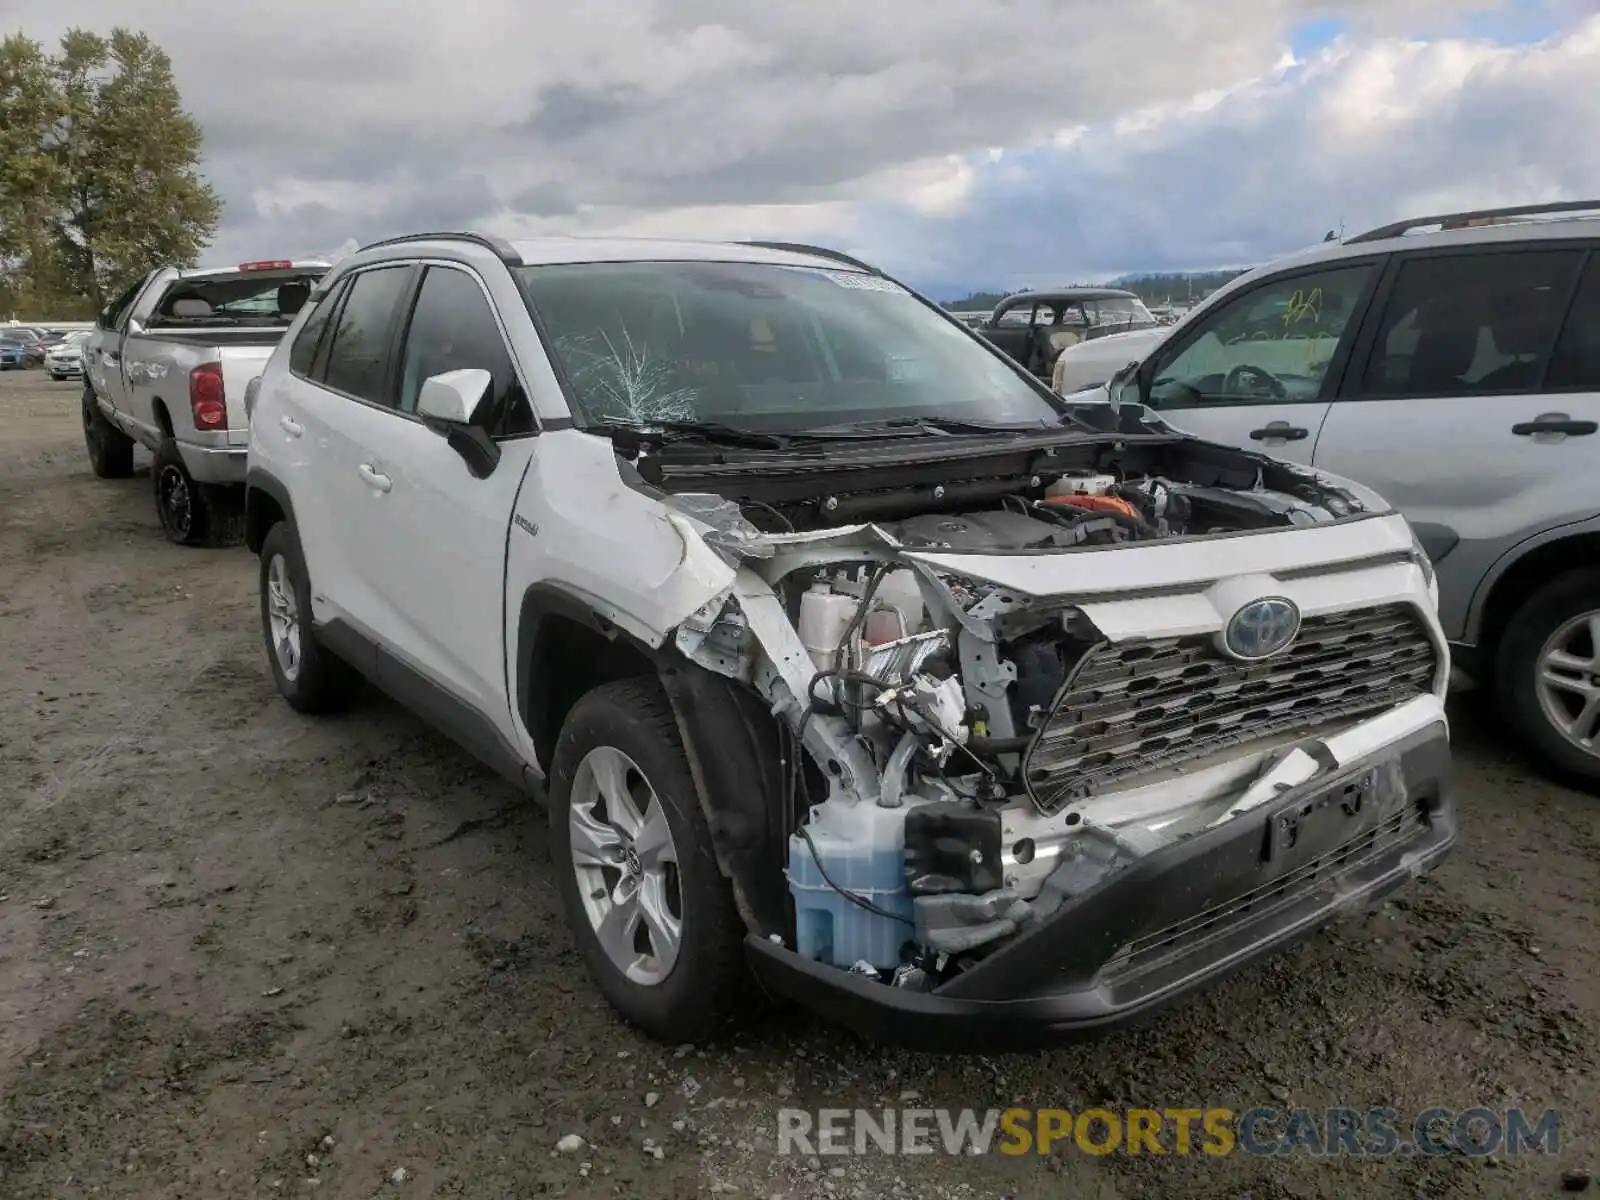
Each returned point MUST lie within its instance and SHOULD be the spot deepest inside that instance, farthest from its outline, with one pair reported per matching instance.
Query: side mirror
(455, 397)
(135, 326)
(1125, 376)
(452, 404)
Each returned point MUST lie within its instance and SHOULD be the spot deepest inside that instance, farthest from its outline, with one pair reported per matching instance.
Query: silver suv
(1452, 364)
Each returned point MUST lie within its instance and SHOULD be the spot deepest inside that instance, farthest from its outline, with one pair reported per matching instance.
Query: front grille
(1130, 711)
(1360, 851)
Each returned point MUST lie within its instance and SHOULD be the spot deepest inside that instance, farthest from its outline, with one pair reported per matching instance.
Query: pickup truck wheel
(191, 513)
(651, 912)
(179, 504)
(309, 676)
(110, 450)
(1547, 673)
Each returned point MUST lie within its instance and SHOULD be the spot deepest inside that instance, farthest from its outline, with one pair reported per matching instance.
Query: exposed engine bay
(941, 771)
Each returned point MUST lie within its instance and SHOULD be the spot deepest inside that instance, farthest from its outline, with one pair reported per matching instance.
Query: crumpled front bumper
(1173, 921)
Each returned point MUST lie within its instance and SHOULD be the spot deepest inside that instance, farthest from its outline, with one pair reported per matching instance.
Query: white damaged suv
(845, 654)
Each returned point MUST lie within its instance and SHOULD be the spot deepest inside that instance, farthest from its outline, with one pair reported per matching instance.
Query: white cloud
(1366, 132)
(950, 140)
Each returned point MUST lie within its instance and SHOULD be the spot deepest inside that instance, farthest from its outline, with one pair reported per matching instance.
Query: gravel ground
(243, 953)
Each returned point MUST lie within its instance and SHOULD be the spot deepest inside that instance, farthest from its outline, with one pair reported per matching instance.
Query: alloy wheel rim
(626, 864)
(283, 618)
(175, 504)
(1568, 681)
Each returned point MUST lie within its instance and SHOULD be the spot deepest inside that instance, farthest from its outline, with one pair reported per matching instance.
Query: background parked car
(1452, 364)
(1035, 327)
(20, 348)
(64, 359)
(167, 365)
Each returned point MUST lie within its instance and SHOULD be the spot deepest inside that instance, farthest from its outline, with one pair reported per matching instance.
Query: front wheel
(651, 912)
(110, 450)
(1547, 673)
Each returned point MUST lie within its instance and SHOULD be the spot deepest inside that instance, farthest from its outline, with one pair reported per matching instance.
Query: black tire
(1517, 666)
(709, 978)
(181, 506)
(193, 513)
(319, 681)
(110, 450)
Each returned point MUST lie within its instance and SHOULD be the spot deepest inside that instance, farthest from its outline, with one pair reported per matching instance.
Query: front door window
(1270, 345)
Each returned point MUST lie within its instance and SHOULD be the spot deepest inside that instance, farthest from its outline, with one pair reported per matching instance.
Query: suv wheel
(1548, 669)
(651, 912)
(110, 450)
(309, 676)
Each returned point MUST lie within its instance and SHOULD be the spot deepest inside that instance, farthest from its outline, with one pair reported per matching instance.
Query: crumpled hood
(1124, 569)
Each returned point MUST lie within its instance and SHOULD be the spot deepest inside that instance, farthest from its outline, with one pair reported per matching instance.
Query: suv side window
(1470, 324)
(357, 361)
(1576, 363)
(1272, 344)
(304, 351)
(453, 328)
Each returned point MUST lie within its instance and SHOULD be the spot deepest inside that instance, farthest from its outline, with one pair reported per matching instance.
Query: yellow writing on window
(1303, 306)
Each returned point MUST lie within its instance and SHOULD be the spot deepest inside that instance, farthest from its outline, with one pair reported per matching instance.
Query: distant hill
(1176, 287)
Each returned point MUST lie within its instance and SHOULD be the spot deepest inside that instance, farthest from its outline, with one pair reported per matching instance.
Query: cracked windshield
(766, 347)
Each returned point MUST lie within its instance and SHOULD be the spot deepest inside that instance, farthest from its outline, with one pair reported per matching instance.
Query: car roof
(1505, 233)
(573, 249)
(1420, 234)
(1068, 293)
(550, 251)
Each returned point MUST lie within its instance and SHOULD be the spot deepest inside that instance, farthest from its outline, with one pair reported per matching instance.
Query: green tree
(30, 111)
(110, 186)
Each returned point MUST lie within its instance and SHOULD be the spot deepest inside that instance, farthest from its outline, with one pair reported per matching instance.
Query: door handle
(110, 358)
(372, 479)
(1555, 423)
(290, 426)
(1280, 429)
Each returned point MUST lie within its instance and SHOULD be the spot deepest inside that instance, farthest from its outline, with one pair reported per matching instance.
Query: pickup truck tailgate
(240, 364)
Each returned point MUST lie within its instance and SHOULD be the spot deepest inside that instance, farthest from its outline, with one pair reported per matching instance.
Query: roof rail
(506, 251)
(817, 251)
(1485, 216)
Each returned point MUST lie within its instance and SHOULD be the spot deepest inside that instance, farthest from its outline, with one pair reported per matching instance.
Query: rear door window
(111, 316)
(1470, 324)
(304, 350)
(358, 351)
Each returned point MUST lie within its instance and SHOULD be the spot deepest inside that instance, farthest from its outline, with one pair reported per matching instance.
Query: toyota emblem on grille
(1261, 628)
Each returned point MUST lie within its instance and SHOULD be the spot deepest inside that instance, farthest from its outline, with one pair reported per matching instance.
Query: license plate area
(1311, 826)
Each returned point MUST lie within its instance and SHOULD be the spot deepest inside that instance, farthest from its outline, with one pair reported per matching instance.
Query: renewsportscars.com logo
(1260, 1132)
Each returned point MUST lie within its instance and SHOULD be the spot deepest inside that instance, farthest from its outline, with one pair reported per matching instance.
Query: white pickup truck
(167, 364)
(844, 652)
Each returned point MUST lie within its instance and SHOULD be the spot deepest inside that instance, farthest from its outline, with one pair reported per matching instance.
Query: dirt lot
(243, 953)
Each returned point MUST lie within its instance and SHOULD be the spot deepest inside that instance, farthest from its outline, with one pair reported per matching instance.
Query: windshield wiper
(917, 427)
(711, 431)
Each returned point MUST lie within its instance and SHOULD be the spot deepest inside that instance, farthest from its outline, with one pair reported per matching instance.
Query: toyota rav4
(845, 655)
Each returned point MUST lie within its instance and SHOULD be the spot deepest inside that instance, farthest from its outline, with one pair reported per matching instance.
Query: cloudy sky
(981, 143)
